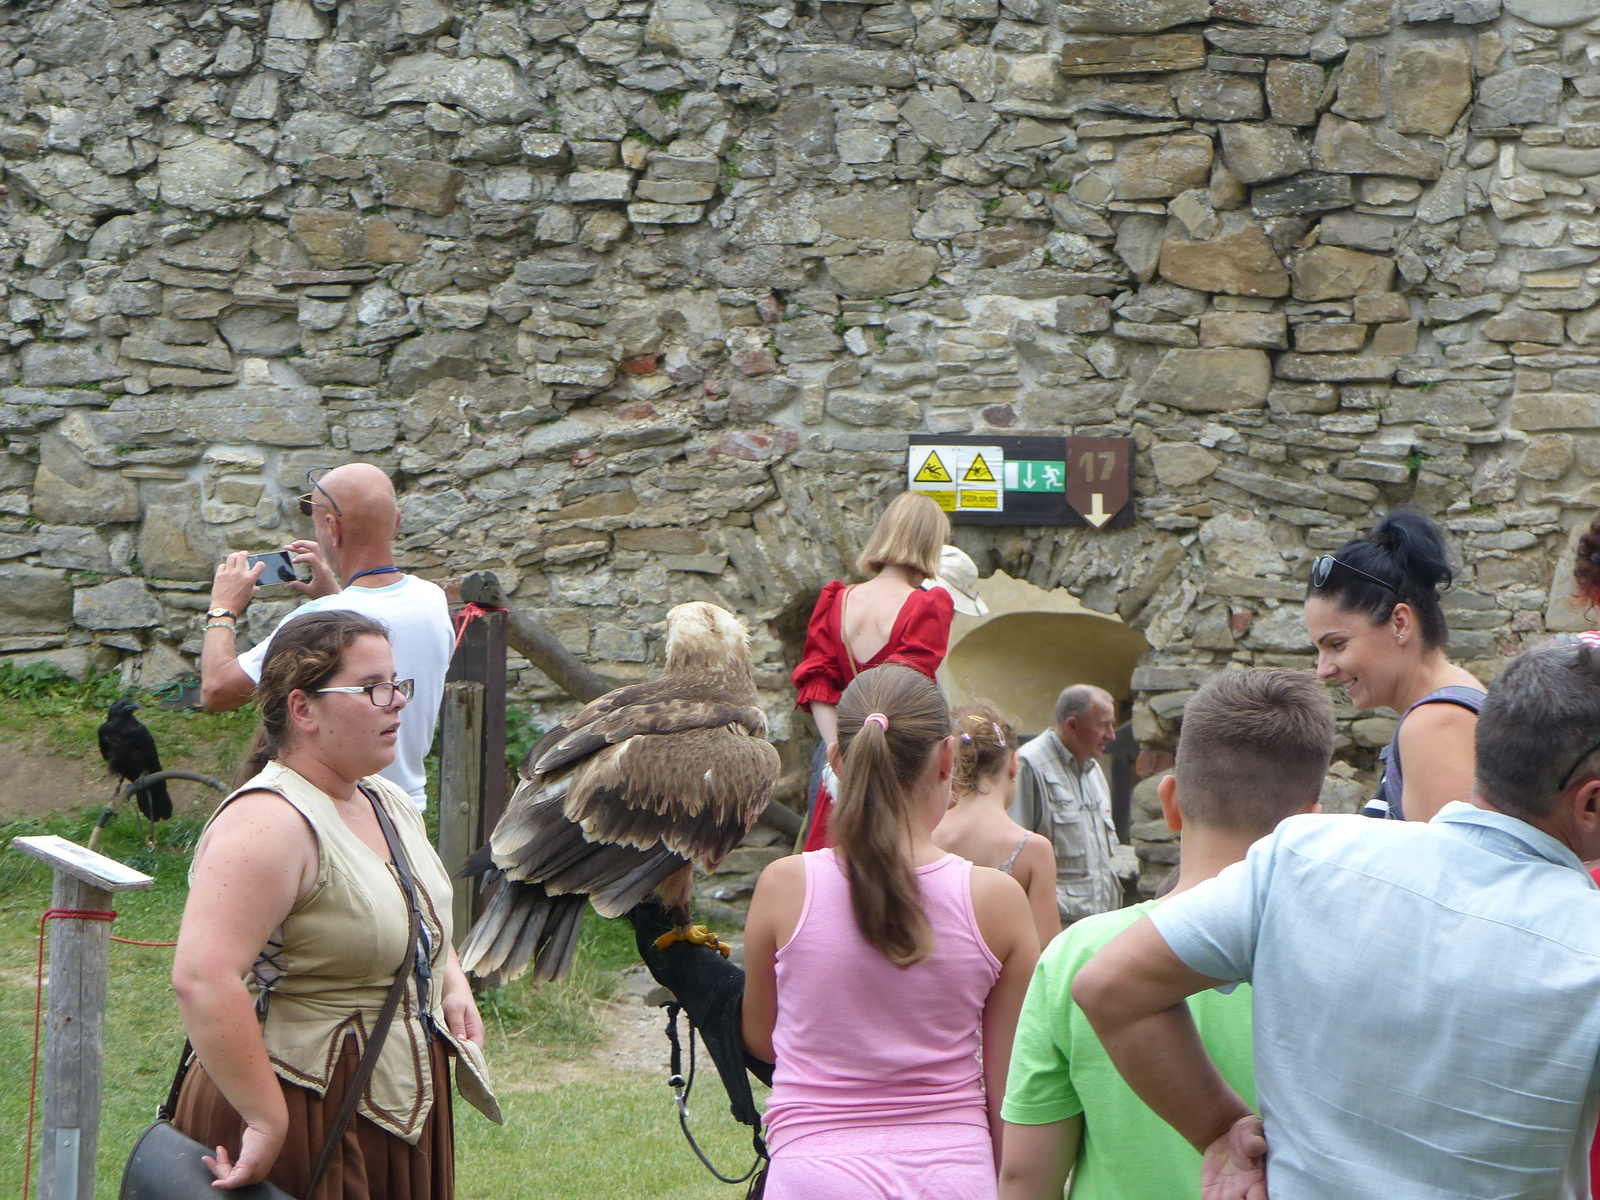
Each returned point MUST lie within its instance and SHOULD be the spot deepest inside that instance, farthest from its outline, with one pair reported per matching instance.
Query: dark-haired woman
(878, 968)
(1373, 613)
(296, 925)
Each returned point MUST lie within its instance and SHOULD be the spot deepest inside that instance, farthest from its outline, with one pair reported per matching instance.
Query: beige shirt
(1070, 805)
(329, 967)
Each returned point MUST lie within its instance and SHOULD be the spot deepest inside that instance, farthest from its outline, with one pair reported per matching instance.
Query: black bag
(166, 1164)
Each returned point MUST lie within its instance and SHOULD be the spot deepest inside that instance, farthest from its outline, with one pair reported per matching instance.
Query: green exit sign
(1035, 475)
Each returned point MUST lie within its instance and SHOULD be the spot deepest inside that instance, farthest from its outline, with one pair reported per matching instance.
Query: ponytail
(891, 719)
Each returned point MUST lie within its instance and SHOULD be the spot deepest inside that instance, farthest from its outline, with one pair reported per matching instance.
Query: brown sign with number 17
(1099, 477)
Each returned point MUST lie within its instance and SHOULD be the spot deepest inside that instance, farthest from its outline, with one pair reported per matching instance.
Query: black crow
(130, 752)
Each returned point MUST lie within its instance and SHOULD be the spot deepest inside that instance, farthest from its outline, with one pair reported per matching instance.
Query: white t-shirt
(418, 619)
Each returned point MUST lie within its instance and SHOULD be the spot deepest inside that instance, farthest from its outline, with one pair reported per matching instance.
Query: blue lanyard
(372, 571)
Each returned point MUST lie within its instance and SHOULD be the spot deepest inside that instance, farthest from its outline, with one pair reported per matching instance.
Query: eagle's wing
(671, 704)
(696, 792)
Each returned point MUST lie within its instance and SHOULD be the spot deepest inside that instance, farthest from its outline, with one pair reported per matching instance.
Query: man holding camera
(355, 516)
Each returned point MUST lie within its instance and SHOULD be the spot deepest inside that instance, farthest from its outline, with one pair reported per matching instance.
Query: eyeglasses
(309, 501)
(1322, 566)
(381, 694)
(1565, 779)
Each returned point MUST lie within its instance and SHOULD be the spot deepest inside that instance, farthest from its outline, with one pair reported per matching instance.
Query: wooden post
(481, 658)
(461, 794)
(80, 959)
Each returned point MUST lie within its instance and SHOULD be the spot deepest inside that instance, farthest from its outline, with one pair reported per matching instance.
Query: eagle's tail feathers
(523, 923)
(556, 957)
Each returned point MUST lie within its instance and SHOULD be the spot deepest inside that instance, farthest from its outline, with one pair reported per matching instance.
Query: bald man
(1062, 795)
(356, 518)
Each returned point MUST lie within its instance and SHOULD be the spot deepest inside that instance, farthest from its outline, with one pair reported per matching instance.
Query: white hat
(958, 575)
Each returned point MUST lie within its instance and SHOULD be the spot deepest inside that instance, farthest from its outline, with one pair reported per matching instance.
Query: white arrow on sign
(1097, 514)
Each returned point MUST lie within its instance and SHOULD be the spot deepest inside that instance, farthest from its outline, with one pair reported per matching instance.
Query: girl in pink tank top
(884, 976)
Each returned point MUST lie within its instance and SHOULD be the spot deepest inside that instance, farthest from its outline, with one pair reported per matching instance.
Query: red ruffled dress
(919, 639)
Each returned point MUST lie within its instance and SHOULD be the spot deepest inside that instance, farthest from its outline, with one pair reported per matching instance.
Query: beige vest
(329, 967)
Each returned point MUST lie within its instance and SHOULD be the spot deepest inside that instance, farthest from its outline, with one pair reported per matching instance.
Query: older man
(1426, 998)
(353, 510)
(1062, 794)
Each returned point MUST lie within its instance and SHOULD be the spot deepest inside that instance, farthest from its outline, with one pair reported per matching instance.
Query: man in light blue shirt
(1426, 997)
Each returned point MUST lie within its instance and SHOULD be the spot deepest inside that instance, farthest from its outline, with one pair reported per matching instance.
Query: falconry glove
(711, 991)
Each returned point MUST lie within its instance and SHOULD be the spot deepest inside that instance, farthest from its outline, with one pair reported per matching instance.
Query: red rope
(56, 914)
(466, 615)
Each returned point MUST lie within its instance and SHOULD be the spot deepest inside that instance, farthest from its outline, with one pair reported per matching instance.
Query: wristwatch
(213, 613)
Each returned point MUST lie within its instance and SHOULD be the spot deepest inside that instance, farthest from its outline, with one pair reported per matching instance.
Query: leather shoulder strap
(391, 1004)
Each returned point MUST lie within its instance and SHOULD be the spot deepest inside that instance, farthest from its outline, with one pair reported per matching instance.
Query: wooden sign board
(1022, 480)
(1099, 477)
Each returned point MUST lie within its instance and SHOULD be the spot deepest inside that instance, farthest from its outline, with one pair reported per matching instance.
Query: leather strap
(391, 1004)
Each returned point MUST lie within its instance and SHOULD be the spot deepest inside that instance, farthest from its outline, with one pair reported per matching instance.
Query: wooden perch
(534, 642)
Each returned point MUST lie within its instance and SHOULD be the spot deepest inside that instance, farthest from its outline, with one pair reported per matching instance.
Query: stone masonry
(638, 300)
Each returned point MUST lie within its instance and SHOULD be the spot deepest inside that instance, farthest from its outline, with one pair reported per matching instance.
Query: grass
(42, 696)
(576, 1127)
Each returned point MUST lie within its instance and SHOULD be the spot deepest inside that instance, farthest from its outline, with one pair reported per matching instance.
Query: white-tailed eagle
(625, 798)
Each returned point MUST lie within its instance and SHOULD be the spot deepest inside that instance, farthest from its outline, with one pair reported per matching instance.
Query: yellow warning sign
(944, 499)
(933, 471)
(978, 472)
(980, 499)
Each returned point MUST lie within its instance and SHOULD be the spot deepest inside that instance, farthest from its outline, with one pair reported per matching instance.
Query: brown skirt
(372, 1163)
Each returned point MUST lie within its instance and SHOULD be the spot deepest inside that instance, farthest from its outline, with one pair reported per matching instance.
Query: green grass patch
(70, 711)
(576, 1128)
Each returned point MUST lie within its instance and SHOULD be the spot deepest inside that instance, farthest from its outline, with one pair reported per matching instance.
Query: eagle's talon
(698, 935)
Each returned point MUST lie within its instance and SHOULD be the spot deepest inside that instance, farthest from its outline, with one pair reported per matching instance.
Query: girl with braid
(977, 826)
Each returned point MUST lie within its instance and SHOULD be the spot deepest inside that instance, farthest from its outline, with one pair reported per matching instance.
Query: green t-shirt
(1059, 1070)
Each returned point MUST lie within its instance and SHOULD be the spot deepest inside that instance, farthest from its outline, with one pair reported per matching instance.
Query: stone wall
(639, 299)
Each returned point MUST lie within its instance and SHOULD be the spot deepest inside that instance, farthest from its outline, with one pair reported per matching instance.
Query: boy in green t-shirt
(1253, 750)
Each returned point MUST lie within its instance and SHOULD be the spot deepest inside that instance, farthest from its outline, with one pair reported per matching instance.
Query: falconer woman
(305, 887)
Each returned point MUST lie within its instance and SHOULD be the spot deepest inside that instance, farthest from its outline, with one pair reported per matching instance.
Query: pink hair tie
(878, 719)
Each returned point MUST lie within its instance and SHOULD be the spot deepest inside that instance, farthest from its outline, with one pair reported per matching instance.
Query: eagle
(624, 799)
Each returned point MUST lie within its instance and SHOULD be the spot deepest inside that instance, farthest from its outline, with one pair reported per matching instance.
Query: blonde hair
(985, 742)
(880, 761)
(911, 533)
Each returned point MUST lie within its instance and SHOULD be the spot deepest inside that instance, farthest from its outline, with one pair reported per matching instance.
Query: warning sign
(958, 478)
(995, 479)
(932, 471)
(978, 471)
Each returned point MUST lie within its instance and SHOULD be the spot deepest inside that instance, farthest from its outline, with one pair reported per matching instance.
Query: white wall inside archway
(1032, 644)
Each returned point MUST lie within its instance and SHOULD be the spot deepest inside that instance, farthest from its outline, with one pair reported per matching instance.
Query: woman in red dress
(889, 618)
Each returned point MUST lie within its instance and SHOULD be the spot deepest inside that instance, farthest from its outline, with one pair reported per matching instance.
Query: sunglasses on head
(1324, 564)
(309, 500)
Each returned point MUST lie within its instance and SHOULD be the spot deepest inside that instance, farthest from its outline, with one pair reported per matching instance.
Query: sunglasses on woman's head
(1322, 566)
